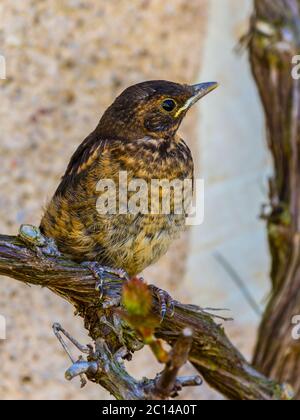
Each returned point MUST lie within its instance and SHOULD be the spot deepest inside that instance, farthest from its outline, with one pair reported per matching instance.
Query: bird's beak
(202, 89)
(199, 91)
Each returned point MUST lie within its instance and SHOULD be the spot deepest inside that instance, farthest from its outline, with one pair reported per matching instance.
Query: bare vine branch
(166, 382)
(35, 260)
(274, 41)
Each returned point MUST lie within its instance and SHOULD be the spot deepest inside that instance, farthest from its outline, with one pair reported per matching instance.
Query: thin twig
(240, 283)
(165, 383)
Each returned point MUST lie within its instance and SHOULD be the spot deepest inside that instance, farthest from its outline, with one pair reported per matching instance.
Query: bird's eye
(169, 105)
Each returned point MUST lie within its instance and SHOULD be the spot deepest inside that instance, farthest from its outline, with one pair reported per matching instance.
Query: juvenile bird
(136, 134)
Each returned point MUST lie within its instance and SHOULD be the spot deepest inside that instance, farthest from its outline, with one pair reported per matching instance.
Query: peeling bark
(275, 39)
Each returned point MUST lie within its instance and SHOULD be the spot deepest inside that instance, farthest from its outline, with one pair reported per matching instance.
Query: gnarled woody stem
(212, 354)
(274, 43)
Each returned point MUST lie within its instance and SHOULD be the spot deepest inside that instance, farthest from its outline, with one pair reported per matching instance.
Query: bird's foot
(100, 273)
(167, 303)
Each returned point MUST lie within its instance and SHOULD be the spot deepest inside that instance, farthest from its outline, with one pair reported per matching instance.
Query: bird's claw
(167, 303)
(100, 271)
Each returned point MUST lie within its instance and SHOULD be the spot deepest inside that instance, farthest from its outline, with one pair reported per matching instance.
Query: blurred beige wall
(66, 61)
(235, 163)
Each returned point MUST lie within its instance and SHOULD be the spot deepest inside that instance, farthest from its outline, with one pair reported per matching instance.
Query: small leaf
(136, 298)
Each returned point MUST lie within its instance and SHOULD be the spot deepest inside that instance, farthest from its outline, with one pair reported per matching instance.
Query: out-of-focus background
(66, 61)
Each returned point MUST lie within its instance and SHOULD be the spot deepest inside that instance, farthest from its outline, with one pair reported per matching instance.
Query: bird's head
(155, 108)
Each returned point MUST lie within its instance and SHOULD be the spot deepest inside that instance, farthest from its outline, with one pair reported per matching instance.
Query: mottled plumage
(138, 135)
